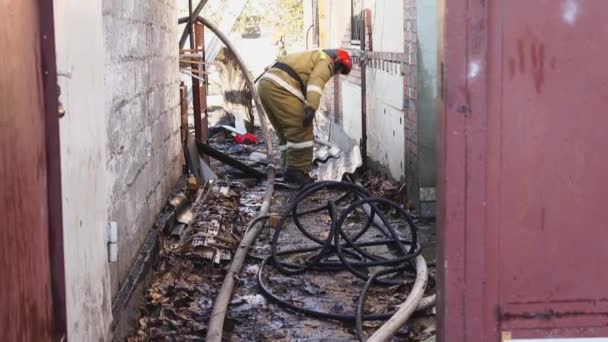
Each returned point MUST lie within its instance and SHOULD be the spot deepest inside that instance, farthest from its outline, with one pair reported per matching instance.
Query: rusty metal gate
(523, 171)
(32, 300)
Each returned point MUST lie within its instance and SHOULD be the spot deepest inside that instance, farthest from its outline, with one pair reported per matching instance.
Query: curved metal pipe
(195, 13)
(248, 78)
(220, 307)
(307, 33)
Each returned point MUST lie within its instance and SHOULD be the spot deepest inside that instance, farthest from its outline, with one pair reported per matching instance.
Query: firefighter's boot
(297, 177)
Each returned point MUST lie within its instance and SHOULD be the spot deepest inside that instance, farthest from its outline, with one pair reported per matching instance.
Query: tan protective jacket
(315, 68)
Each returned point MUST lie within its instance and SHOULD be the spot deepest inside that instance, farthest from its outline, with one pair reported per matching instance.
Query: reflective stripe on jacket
(315, 68)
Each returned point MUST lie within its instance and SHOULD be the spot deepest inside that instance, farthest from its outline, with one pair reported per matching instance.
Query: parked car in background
(252, 28)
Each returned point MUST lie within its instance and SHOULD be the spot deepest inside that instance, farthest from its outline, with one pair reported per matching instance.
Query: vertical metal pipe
(199, 37)
(193, 15)
(183, 102)
(196, 96)
(337, 99)
(363, 94)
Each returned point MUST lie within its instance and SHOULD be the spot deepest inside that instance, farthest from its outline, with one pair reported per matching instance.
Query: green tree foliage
(286, 16)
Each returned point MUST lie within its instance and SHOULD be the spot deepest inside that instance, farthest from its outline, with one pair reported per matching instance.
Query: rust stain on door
(523, 219)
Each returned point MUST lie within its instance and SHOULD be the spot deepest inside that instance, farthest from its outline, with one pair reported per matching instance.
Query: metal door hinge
(60, 108)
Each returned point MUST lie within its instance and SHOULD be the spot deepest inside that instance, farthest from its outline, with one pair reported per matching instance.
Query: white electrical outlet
(112, 241)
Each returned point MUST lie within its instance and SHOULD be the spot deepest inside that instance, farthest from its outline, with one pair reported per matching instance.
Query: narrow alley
(316, 305)
(303, 170)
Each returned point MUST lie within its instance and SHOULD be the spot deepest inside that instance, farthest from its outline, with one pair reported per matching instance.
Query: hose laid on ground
(332, 246)
(352, 254)
(409, 306)
(388, 329)
(220, 306)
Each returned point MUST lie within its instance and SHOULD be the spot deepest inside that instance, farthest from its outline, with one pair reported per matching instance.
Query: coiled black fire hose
(351, 252)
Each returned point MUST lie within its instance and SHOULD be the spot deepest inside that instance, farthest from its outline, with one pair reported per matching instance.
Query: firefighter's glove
(309, 115)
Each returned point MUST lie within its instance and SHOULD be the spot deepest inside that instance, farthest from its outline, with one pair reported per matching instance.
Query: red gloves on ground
(246, 138)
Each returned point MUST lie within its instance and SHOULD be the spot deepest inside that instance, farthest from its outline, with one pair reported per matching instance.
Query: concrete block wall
(142, 106)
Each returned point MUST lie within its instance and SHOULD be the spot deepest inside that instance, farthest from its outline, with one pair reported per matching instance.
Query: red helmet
(343, 58)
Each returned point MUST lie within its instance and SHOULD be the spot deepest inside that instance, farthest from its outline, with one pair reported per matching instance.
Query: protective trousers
(286, 112)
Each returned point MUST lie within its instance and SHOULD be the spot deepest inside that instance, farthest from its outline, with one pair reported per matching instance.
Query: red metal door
(523, 174)
(31, 259)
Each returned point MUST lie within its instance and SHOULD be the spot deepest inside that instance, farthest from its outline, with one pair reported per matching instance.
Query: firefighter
(290, 91)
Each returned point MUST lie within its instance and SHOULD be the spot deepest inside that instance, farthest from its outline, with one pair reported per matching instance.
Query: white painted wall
(339, 23)
(79, 41)
(335, 25)
(307, 5)
(387, 25)
(385, 87)
(351, 109)
(385, 132)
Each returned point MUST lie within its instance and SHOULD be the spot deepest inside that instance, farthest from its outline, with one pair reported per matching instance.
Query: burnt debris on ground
(320, 261)
(194, 261)
(196, 253)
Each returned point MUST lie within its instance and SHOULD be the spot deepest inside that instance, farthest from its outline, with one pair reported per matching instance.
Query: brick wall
(355, 75)
(142, 106)
(331, 100)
